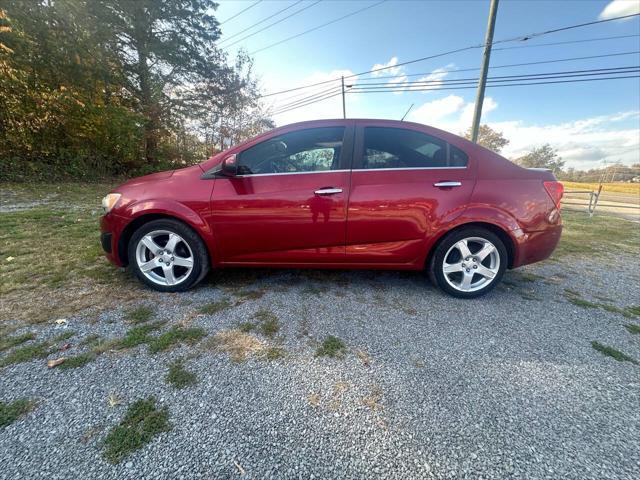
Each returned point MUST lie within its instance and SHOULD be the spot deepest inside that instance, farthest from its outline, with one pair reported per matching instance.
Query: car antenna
(407, 112)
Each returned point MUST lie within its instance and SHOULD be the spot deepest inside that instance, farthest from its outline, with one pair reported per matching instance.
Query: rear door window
(402, 148)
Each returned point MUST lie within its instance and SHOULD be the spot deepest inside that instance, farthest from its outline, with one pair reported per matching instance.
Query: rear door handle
(328, 191)
(447, 184)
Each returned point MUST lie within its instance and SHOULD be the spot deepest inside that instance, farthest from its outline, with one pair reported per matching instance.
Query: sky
(589, 123)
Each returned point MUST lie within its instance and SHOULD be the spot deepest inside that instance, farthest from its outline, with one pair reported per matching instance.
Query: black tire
(191, 240)
(436, 264)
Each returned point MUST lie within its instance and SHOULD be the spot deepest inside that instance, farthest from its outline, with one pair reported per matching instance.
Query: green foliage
(633, 328)
(179, 377)
(331, 347)
(139, 335)
(174, 336)
(96, 88)
(612, 352)
(10, 342)
(139, 314)
(10, 412)
(215, 307)
(544, 156)
(141, 423)
(78, 361)
(26, 353)
(489, 138)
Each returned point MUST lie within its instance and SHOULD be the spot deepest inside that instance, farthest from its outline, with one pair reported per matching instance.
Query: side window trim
(358, 154)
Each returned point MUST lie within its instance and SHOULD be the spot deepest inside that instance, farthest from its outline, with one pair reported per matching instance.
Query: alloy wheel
(471, 264)
(164, 257)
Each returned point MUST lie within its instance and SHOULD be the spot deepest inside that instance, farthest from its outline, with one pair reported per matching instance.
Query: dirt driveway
(313, 374)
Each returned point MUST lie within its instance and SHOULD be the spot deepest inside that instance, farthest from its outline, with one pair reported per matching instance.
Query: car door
(288, 203)
(406, 184)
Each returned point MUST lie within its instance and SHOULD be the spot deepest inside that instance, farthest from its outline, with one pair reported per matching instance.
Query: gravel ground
(507, 386)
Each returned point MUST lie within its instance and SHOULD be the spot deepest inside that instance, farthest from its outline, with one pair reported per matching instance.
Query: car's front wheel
(468, 262)
(167, 255)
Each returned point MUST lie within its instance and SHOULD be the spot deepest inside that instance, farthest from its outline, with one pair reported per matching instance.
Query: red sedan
(338, 194)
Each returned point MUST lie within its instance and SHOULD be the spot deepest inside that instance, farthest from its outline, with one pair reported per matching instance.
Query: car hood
(134, 182)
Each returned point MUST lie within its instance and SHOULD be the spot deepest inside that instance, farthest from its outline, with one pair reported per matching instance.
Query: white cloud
(436, 110)
(620, 8)
(389, 68)
(436, 76)
(582, 143)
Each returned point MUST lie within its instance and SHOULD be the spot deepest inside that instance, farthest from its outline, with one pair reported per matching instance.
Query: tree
(489, 138)
(542, 157)
(164, 45)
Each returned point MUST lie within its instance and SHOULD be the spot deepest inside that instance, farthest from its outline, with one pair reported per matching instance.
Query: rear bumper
(537, 246)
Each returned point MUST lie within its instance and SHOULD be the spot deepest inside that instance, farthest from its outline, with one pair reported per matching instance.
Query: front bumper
(111, 227)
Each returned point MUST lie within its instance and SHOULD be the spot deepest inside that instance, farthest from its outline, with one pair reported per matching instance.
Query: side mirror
(229, 166)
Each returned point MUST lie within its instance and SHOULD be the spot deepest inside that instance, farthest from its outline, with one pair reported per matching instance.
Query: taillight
(555, 191)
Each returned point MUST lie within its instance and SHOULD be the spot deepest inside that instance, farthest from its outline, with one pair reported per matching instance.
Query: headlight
(109, 201)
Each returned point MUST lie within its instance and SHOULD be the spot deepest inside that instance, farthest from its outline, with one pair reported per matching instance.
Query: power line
(501, 77)
(318, 27)
(458, 87)
(471, 47)
(597, 39)
(499, 84)
(470, 69)
(308, 99)
(274, 23)
(226, 39)
(241, 12)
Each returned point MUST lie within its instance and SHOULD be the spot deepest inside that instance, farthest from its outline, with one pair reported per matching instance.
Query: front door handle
(328, 191)
(447, 184)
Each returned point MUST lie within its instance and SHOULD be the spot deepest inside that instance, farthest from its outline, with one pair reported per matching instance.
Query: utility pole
(477, 111)
(344, 108)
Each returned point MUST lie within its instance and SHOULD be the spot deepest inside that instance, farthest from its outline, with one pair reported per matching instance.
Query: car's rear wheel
(469, 262)
(168, 256)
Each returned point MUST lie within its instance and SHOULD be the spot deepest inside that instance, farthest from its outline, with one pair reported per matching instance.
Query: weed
(269, 324)
(139, 314)
(247, 327)
(139, 335)
(26, 353)
(634, 310)
(237, 344)
(10, 342)
(613, 353)
(78, 361)
(174, 336)
(215, 307)
(250, 294)
(331, 347)
(10, 412)
(581, 302)
(179, 377)
(141, 423)
(373, 399)
(275, 353)
(63, 336)
(91, 340)
(631, 328)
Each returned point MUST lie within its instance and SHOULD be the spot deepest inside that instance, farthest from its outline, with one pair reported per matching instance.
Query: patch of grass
(237, 344)
(633, 329)
(275, 353)
(10, 342)
(91, 340)
(634, 310)
(139, 314)
(613, 353)
(331, 347)
(180, 377)
(66, 335)
(583, 235)
(139, 335)
(142, 422)
(174, 336)
(10, 412)
(78, 361)
(581, 302)
(269, 324)
(247, 327)
(250, 294)
(215, 307)
(26, 353)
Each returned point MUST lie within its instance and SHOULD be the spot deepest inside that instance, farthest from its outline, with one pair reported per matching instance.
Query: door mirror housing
(229, 166)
